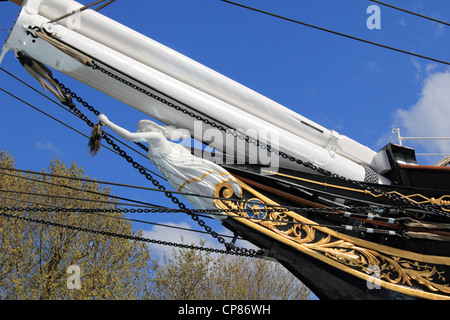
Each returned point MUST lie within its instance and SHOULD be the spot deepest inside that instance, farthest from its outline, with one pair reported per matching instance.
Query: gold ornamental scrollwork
(393, 269)
(307, 234)
(414, 198)
(253, 208)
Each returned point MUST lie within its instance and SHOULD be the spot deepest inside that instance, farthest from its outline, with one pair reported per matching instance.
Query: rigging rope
(338, 210)
(411, 12)
(351, 228)
(95, 66)
(337, 33)
(350, 212)
(267, 208)
(99, 212)
(50, 205)
(431, 208)
(81, 9)
(346, 211)
(77, 189)
(71, 105)
(128, 237)
(282, 208)
(68, 110)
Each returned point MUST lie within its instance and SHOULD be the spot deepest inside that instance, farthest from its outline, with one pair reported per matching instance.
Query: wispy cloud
(185, 236)
(45, 145)
(374, 66)
(428, 117)
(439, 29)
(423, 72)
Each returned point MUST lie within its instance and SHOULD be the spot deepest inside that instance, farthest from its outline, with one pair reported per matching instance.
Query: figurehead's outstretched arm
(125, 134)
(154, 137)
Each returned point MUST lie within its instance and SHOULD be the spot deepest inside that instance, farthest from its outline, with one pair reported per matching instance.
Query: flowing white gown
(184, 171)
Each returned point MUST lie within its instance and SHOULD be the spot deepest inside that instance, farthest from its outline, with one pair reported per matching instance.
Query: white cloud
(429, 116)
(439, 29)
(189, 237)
(47, 146)
(423, 72)
(170, 235)
(374, 66)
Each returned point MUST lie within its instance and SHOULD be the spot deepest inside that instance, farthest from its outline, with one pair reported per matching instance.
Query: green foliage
(193, 275)
(34, 258)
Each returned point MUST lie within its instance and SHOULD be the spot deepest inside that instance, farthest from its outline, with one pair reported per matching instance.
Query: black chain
(69, 103)
(360, 212)
(4, 211)
(433, 208)
(246, 253)
(230, 246)
(142, 210)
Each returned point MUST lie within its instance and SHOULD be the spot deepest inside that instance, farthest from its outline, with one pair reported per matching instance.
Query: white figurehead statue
(184, 171)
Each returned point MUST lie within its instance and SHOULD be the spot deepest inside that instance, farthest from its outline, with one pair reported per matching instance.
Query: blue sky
(357, 89)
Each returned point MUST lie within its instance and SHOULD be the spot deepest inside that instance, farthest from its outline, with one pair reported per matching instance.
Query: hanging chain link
(230, 246)
(4, 211)
(434, 208)
(241, 252)
(394, 197)
(182, 207)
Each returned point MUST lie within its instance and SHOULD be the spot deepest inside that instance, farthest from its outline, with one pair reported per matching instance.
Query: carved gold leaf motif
(393, 269)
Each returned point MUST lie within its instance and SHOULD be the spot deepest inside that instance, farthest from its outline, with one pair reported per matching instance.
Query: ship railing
(400, 139)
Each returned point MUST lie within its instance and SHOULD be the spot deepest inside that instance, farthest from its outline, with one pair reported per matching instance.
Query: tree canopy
(35, 258)
(43, 258)
(189, 274)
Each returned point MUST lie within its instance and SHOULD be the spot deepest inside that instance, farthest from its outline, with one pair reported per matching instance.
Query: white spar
(186, 81)
(143, 49)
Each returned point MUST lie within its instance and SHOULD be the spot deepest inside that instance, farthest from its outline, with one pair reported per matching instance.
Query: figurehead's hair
(95, 141)
(169, 132)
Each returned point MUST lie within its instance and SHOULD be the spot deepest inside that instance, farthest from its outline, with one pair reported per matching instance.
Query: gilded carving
(415, 198)
(393, 269)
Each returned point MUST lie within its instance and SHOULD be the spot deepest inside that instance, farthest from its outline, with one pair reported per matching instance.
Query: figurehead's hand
(102, 118)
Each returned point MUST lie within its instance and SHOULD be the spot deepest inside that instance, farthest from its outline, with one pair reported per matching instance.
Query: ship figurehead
(200, 181)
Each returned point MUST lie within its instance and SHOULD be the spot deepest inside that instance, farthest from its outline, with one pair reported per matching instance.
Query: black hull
(349, 255)
(326, 282)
